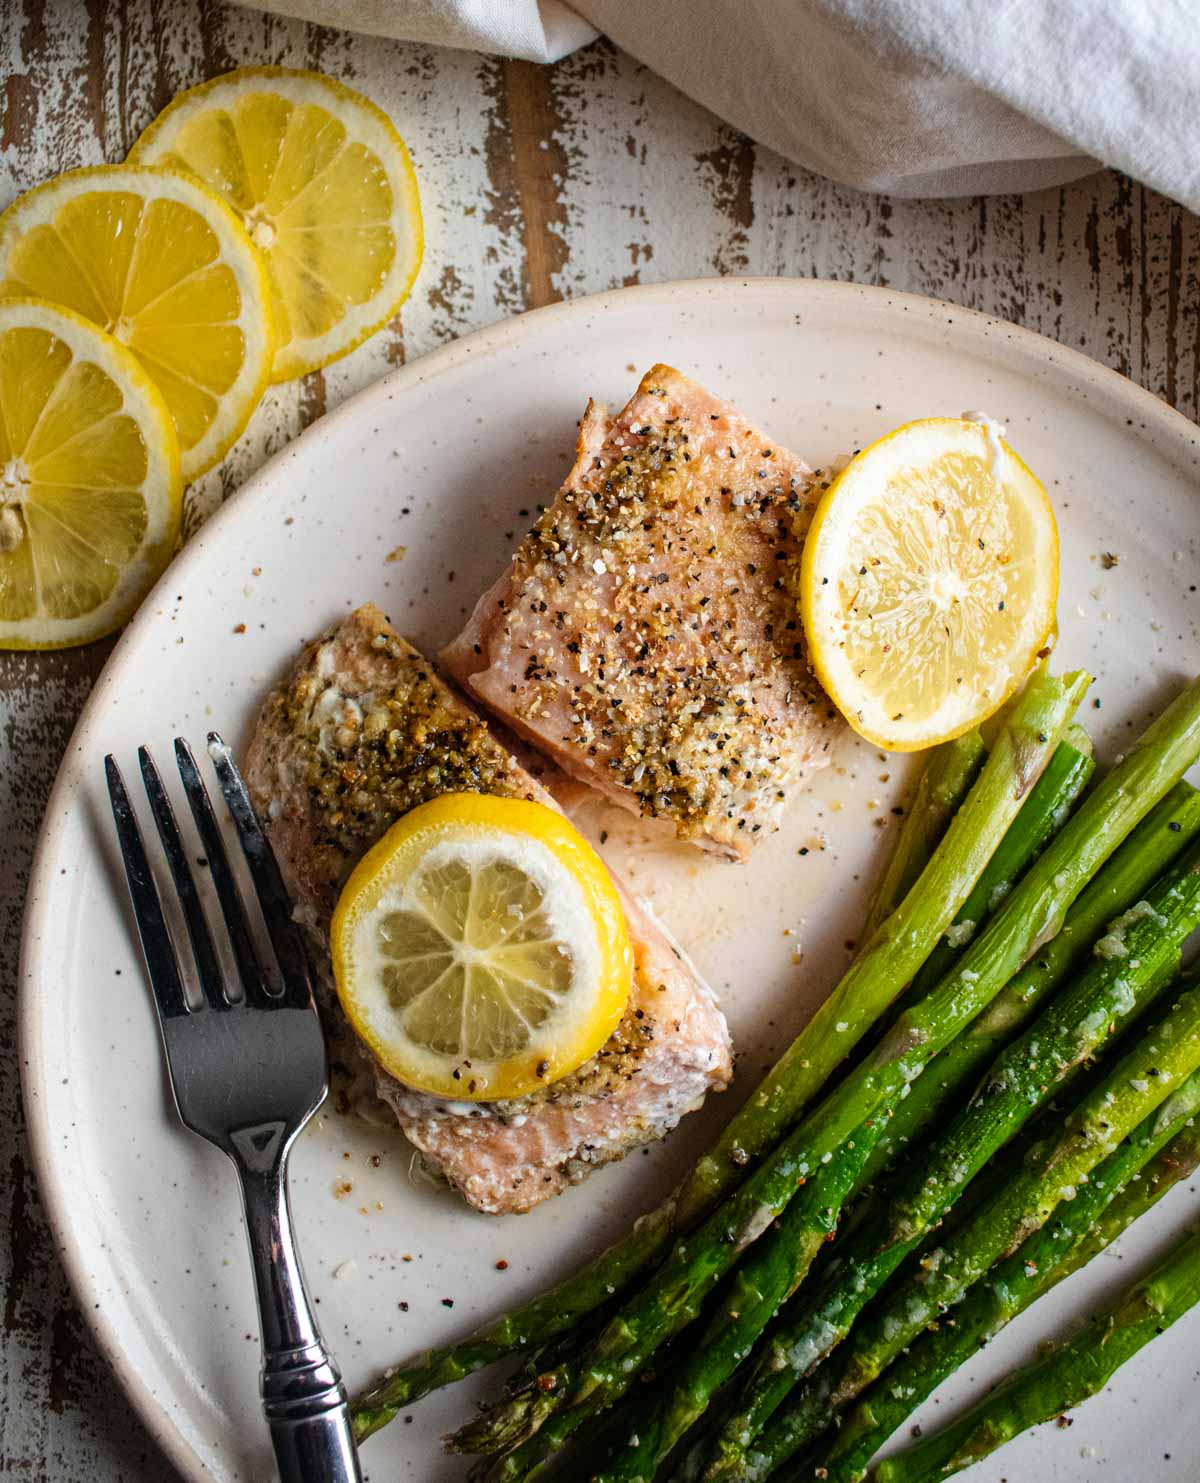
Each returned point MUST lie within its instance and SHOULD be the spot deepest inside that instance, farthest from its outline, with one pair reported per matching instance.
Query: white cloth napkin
(913, 97)
(537, 30)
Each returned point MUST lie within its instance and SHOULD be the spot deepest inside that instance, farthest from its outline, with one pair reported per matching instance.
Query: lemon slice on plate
(928, 582)
(480, 949)
(326, 188)
(163, 265)
(90, 489)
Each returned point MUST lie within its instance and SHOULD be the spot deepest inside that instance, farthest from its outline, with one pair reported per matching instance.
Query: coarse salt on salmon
(364, 730)
(644, 636)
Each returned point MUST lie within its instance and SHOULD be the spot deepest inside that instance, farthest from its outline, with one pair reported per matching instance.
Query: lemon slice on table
(480, 949)
(162, 264)
(90, 489)
(928, 582)
(326, 188)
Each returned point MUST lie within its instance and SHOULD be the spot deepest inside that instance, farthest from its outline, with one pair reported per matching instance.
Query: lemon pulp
(928, 582)
(325, 187)
(90, 486)
(164, 266)
(480, 949)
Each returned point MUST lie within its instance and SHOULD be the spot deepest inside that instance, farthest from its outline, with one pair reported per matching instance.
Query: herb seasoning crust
(364, 730)
(645, 637)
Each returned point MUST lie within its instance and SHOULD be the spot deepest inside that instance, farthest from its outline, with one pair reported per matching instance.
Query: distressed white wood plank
(535, 184)
(657, 189)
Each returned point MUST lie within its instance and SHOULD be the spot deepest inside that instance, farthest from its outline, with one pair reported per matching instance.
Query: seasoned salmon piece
(362, 731)
(644, 636)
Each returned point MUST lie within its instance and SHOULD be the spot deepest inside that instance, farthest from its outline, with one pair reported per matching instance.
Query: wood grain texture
(538, 184)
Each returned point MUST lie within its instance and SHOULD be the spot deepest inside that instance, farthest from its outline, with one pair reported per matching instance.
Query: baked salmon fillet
(360, 732)
(644, 636)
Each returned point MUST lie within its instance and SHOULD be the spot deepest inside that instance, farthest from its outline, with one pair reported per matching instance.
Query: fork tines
(161, 956)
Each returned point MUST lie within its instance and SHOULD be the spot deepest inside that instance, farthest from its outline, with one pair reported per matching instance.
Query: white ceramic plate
(449, 457)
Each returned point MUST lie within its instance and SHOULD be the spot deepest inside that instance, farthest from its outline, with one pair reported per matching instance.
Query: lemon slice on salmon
(90, 489)
(928, 582)
(164, 266)
(326, 188)
(479, 948)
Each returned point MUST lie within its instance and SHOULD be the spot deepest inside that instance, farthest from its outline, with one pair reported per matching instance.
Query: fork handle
(309, 1417)
(303, 1397)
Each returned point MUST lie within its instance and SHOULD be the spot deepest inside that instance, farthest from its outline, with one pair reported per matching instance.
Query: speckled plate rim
(1172, 429)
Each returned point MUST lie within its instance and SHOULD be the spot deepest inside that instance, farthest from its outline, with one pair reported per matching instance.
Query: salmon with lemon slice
(644, 636)
(361, 733)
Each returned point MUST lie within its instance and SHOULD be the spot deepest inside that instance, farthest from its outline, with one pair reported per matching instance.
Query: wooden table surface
(538, 184)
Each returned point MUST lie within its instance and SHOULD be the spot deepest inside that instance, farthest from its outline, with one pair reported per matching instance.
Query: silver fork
(247, 1070)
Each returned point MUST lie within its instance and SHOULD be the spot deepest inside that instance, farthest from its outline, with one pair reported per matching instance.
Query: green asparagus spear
(901, 944)
(698, 1260)
(1162, 1059)
(1178, 1161)
(1044, 812)
(727, 1343)
(775, 1267)
(522, 1410)
(518, 1413)
(1158, 839)
(945, 781)
(535, 1322)
(1030, 916)
(1023, 1078)
(1007, 1290)
(887, 962)
(1066, 1377)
